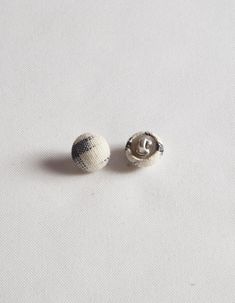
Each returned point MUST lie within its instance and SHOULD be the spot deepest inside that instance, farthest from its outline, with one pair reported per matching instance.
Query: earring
(143, 148)
(90, 152)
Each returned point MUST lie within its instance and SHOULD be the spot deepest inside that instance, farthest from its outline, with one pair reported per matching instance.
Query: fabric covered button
(90, 152)
(143, 148)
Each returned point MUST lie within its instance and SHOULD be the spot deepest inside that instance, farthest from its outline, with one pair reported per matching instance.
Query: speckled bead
(143, 149)
(90, 152)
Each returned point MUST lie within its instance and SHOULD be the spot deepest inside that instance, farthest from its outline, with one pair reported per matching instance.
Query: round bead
(143, 148)
(90, 152)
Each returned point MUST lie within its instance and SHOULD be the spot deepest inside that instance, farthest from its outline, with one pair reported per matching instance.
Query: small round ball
(90, 152)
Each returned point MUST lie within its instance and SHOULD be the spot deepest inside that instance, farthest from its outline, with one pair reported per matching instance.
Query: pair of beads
(91, 152)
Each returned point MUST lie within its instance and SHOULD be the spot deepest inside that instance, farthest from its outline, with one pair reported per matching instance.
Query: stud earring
(90, 152)
(143, 148)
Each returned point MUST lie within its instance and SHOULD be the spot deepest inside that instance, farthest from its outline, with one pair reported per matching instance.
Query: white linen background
(162, 234)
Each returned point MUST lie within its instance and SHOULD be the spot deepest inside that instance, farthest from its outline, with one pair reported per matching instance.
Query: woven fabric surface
(90, 152)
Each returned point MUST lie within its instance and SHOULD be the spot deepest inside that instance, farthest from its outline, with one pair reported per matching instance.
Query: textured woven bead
(90, 152)
(143, 148)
